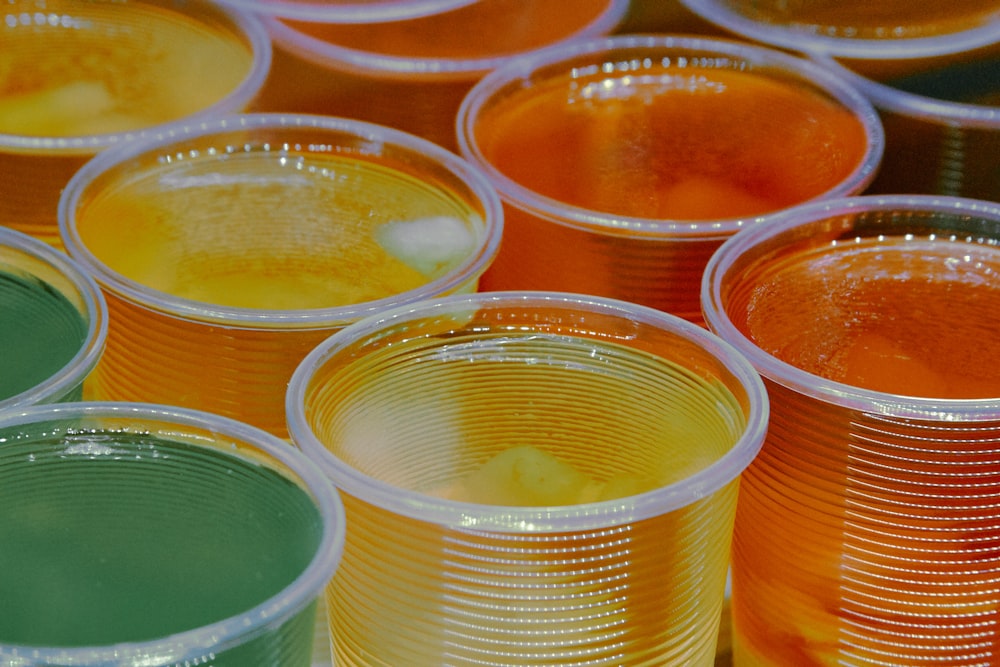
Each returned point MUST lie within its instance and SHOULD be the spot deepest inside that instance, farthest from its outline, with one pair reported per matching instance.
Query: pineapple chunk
(430, 245)
(526, 476)
(523, 476)
(54, 111)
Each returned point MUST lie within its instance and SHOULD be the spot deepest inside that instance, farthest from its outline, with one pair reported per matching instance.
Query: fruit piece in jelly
(526, 476)
(523, 476)
(431, 245)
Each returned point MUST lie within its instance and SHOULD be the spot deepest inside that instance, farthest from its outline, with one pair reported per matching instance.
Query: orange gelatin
(888, 19)
(673, 142)
(864, 536)
(484, 29)
(902, 316)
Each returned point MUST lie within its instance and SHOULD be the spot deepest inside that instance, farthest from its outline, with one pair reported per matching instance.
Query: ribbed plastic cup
(866, 532)
(529, 478)
(53, 323)
(139, 534)
(80, 77)
(655, 16)
(941, 116)
(413, 73)
(624, 162)
(350, 11)
(858, 28)
(229, 249)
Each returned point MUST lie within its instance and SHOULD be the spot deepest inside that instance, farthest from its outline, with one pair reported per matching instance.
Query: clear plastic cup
(624, 162)
(672, 17)
(529, 478)
(350, 11)
(53, 323)
(866, 528)
(858, 28)
(145, 535)
(412, 74)
(79, 77)
(229, 249)
(941, 116)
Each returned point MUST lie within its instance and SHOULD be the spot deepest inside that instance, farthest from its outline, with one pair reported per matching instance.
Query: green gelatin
(40, 332)
(114, 536)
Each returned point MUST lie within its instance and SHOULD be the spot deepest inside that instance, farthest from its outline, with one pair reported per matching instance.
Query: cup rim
(191, 644)
(551, 210)
(506, 519)
(928, 109)
(383, 66)
(376, 136)
(76, 370)
(243, 22)
(346, 11)
(810, 384)
(723, 14)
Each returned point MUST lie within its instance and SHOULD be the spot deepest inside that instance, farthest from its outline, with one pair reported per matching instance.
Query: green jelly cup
(139, 534)
(529, 477)
(53, 323)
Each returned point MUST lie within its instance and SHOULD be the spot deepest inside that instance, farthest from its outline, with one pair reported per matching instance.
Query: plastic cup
(227, 250)
(866, 529)
(412, 74)
(144, 535)
(78, 77)
(670, 16)
(529, 478)
(941, 117)
(53, 323)
(624, 162)
(858, 28)
(350, 11)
